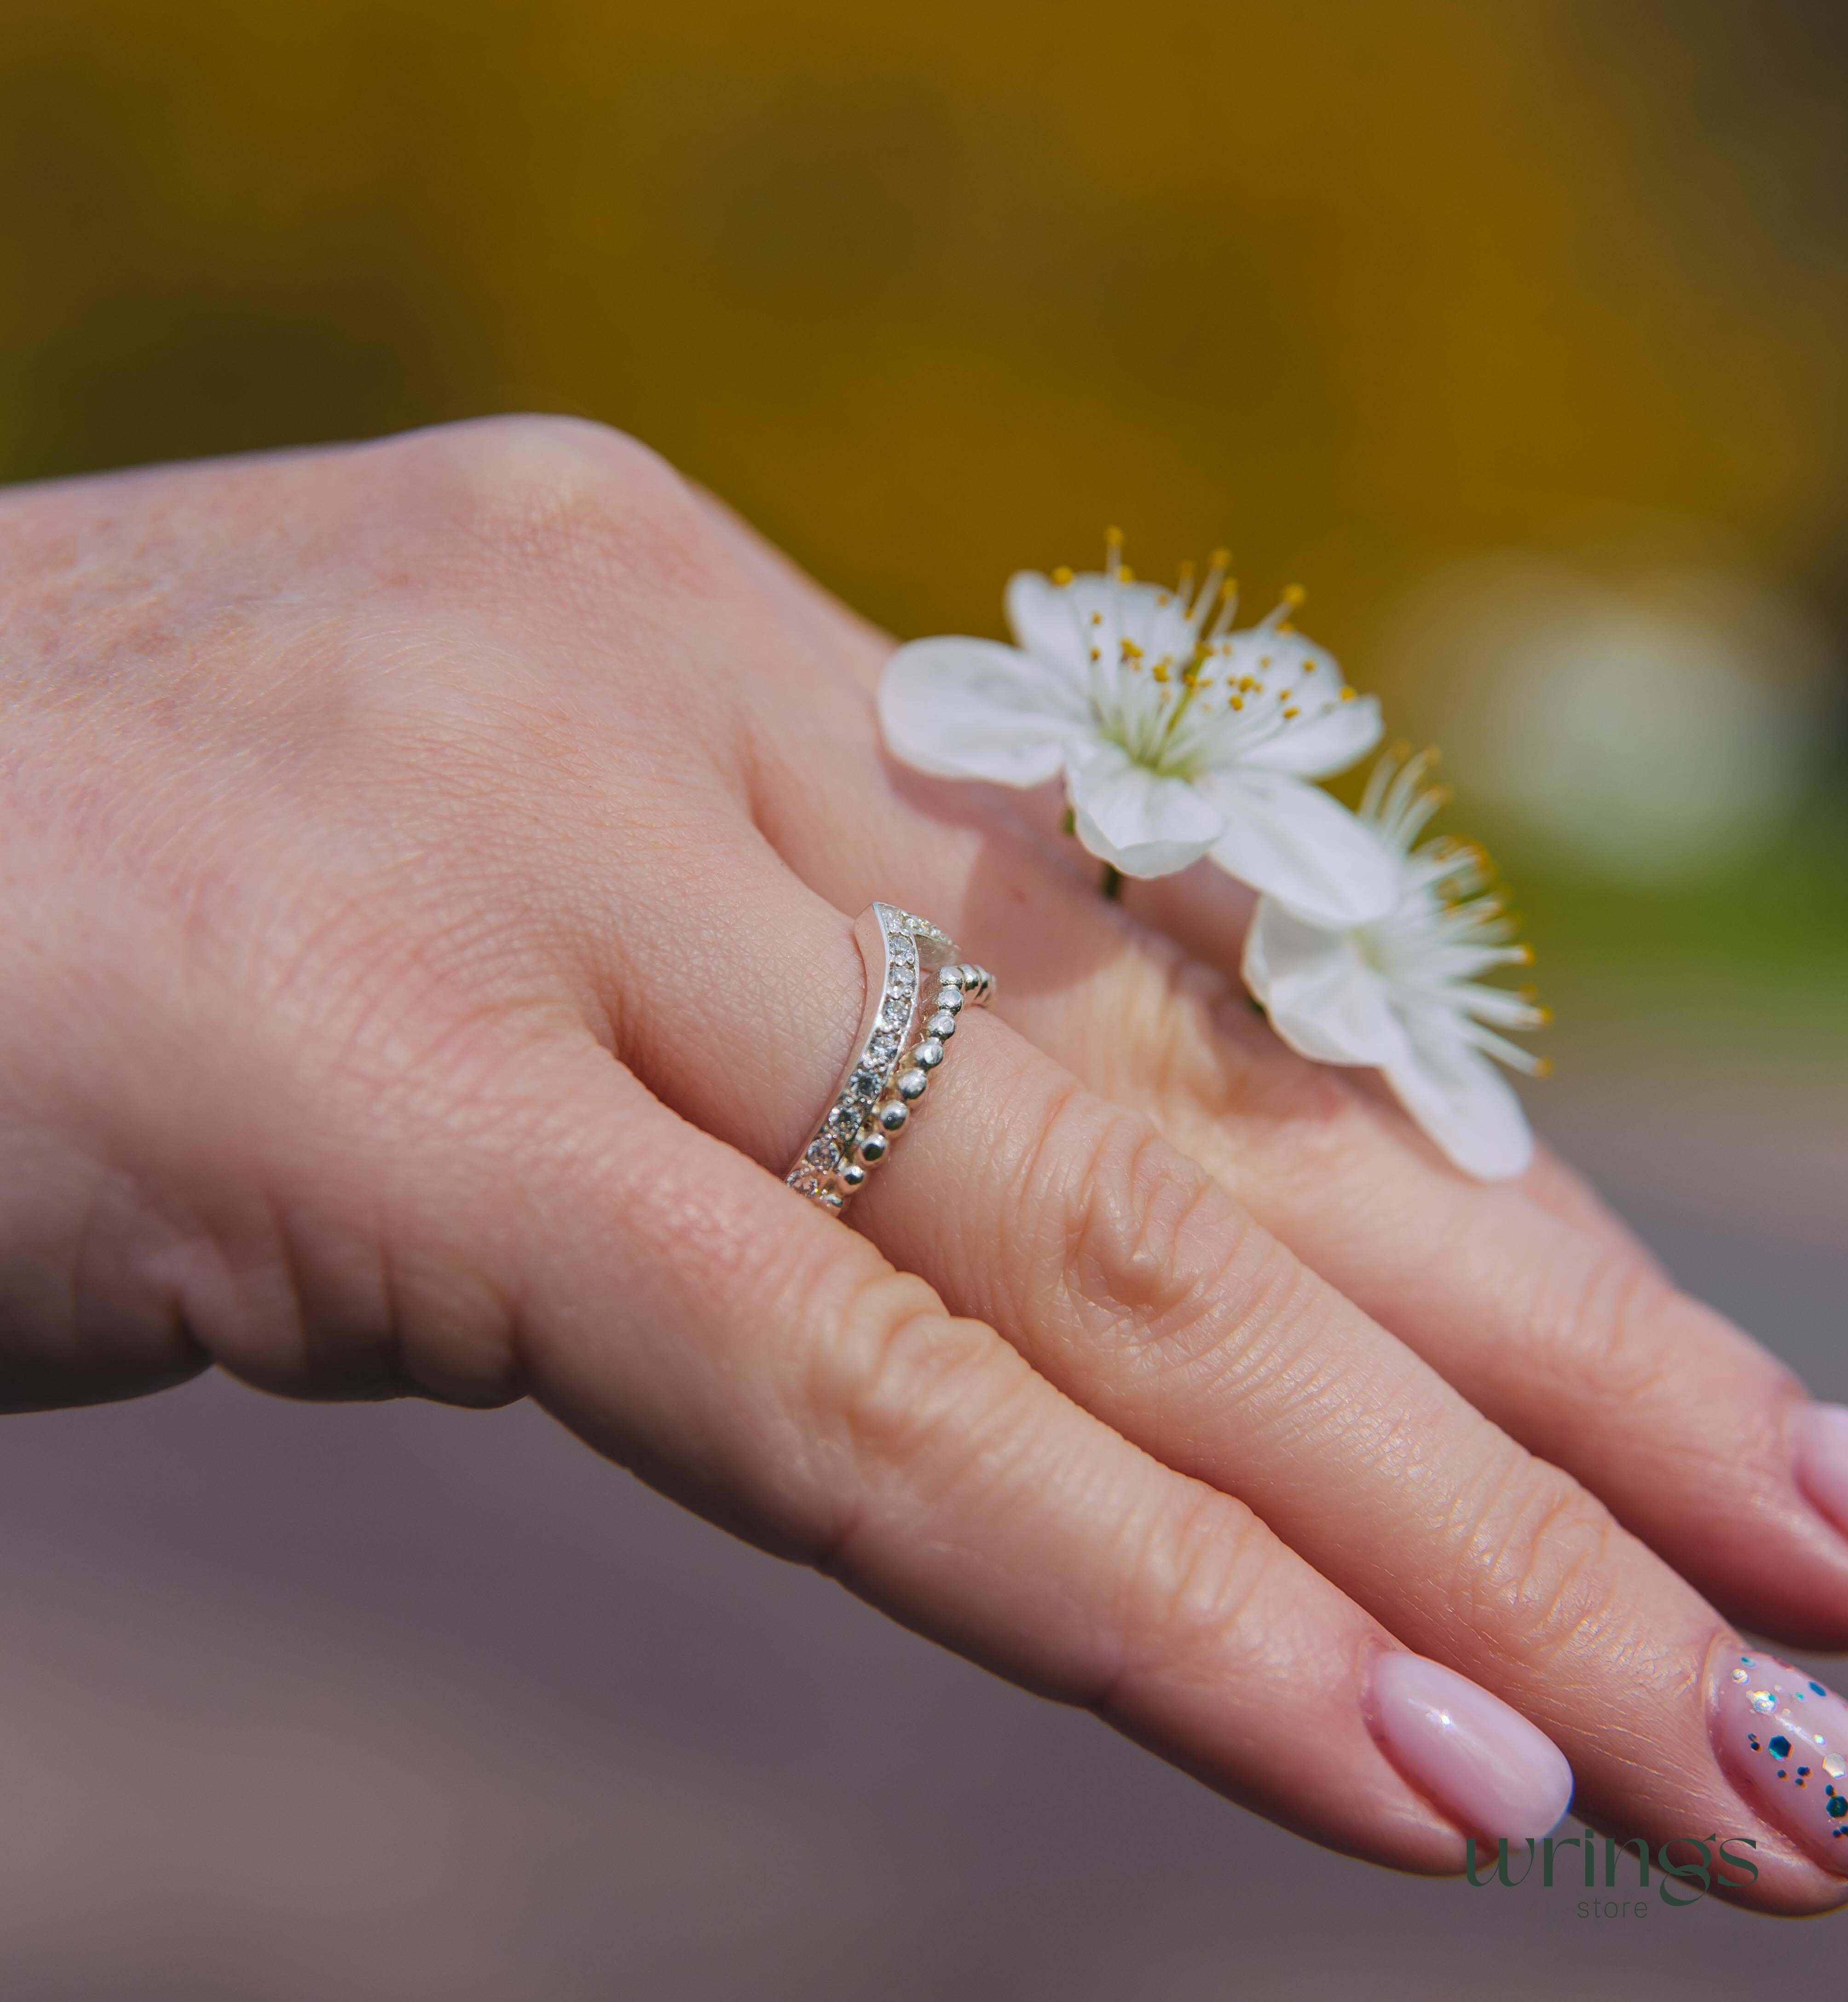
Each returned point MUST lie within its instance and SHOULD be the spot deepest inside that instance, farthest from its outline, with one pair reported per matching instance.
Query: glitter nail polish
(1782, 1739)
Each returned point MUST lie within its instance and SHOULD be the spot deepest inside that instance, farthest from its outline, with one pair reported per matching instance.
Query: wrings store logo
(1685, 1882)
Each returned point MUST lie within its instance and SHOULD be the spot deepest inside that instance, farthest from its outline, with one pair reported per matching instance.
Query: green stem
(1112, 884)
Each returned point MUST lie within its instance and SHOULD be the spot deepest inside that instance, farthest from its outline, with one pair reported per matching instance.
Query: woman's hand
(426, 876)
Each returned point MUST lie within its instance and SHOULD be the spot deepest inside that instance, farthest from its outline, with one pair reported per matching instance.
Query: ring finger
(1127, 1279)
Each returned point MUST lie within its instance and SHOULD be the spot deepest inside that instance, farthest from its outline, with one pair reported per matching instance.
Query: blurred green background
(1513, 329)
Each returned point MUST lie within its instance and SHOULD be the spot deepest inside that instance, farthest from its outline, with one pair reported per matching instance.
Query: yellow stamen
(1289, 713)
(1347, 694)
(1062, 576)
(1160, 670)
(1293, 595)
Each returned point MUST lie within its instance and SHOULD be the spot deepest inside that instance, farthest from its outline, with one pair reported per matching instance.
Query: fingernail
(1482, 1763)
(1822, 1459)
(1782, 1739)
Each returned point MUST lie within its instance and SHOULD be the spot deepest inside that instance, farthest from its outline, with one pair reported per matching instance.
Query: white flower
(1177, 737)
(1403, 993)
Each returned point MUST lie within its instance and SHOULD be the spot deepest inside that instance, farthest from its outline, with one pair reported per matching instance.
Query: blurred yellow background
(1513, 329)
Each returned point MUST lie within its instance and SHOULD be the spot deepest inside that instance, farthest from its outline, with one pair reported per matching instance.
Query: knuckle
(1539, 1566)
(1601, 1323)
(1151, 1240)
(1188, 1041)
(550, 451)
(898, 1387)
(566, 499)
(1194, 1575)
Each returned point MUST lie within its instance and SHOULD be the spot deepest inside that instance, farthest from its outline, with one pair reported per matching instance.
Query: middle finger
(1526, 1297)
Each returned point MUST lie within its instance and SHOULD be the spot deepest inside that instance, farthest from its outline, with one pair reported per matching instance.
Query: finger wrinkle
(1197, 1573)
(1541, 1569)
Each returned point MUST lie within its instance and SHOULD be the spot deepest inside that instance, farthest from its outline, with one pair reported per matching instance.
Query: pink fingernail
(1482, 1763)
(1782, 1739)
(1822, 1459)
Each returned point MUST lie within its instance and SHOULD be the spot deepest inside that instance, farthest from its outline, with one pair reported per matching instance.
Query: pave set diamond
(892, 1069)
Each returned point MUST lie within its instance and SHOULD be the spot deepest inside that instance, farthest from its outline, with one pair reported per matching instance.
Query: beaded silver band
(916, 986)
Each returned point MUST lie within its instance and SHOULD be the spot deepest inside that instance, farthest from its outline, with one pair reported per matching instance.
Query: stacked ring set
(916, 987)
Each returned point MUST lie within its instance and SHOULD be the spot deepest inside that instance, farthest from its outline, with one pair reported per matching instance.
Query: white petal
(1046, 621)
(1282, 660)
(973, 709)
(1460, 1099)
(1128, 816)
(1317, 747)
(1098, 611)
(1292, 843)
(1321, 997)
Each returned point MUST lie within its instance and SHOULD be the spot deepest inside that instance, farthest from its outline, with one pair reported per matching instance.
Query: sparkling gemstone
(824, 1154)
(1763, 1702)
(844, 1120)
(884, 1047)
(865, 1085)
(903, 951)
(897, 1012)
(901, 980)
(1834, 1765)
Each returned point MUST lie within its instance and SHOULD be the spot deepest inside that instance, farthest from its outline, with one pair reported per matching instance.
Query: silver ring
(916, 986)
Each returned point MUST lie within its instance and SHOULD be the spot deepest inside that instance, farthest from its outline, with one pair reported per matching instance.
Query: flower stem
(1111, 884)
